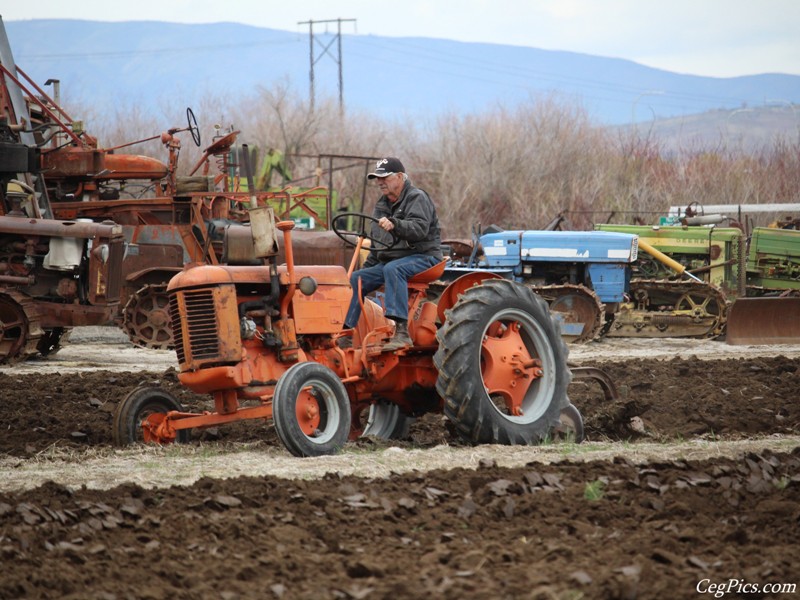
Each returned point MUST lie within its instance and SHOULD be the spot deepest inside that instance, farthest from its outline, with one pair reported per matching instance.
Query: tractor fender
(451, 293)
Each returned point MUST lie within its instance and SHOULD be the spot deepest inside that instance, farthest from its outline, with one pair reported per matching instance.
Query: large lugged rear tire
(311, 410)
(502, 365)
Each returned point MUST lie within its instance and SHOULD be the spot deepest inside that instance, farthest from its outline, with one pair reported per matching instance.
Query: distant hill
(741, 129)
(152, 63)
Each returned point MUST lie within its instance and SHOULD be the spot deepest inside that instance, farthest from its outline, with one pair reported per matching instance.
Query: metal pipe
(29, 280)
(248, 173)
(286, 227)
(43, 106)
(666, 260)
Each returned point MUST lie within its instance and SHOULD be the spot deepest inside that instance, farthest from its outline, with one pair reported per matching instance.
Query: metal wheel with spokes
(20, 327)
(192, 126)
(146, 318)
(700, 306)
(311, 410)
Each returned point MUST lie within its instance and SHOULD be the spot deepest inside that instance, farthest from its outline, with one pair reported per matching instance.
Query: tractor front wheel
(311, 410)
(502, 365)
(138, 416)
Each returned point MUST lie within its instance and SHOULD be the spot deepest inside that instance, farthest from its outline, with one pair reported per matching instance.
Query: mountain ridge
(150, 62)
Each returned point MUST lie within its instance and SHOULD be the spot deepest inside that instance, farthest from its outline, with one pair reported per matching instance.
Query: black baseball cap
(386, 167)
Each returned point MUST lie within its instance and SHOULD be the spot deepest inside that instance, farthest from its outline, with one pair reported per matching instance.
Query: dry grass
(153, 467)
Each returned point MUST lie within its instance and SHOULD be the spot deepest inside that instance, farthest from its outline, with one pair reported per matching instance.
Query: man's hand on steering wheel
(361, 220)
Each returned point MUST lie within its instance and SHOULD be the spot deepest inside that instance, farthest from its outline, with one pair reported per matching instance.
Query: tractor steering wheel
(361, 231)
(193, 129)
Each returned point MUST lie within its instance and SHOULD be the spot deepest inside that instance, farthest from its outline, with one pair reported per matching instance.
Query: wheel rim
(576, 310)
(700, 307)
(317, 412)
(382, 419)
(516, 364)
(147, 319)
(13, 328)
(150, 423)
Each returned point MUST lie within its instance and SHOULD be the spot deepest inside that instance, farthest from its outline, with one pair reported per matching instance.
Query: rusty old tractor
(167, 220)
(55, 273)
(262, 341)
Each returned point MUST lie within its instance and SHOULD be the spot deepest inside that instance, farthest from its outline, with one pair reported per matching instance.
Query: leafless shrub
(515, 166)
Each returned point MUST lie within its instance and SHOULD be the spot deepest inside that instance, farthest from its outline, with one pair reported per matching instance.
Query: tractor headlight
(308, 285)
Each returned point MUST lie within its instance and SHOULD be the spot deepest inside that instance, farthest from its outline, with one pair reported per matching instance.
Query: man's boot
(400, 339)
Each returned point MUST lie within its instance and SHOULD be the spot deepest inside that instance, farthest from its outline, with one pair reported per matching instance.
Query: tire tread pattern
(460, 383)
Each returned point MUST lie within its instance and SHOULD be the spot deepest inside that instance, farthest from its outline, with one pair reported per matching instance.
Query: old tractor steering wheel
(361, 230)
(193, 129)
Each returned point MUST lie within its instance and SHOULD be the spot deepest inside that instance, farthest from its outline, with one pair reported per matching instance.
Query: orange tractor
(261, 340)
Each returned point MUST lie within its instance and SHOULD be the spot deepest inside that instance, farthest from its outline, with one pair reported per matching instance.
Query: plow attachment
(759, 321)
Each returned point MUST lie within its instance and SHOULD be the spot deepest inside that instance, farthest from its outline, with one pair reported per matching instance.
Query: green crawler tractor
(759, 277)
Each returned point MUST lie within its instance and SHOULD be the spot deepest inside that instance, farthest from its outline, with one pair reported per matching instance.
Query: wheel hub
(508, 367)
(308, 416)
(155, 430)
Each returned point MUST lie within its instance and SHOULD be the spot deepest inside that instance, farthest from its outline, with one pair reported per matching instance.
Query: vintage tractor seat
(431, 274)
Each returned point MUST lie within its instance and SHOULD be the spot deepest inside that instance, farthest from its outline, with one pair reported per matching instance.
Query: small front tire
(140, 413)
(311, 410)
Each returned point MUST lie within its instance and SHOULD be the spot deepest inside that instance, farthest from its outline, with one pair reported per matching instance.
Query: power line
(476, 64)
(338, 59)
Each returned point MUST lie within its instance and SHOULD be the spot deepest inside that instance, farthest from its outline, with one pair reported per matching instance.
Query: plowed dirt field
(690, 480)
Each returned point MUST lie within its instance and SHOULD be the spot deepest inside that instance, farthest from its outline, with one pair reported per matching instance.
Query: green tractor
(770, 314)
(759, 281)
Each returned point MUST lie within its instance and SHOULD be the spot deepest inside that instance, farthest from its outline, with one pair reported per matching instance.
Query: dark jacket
(415, 224)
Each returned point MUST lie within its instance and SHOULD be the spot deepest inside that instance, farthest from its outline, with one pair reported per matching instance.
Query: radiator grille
(114, 281)
(199, 322)
(177, 328)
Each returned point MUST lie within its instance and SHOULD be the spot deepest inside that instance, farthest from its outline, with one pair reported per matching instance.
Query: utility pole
(325, 50)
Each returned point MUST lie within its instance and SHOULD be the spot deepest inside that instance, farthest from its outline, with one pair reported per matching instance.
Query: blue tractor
(583, 275)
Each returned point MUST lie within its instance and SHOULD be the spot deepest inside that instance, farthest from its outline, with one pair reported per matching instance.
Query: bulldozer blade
(764, 321)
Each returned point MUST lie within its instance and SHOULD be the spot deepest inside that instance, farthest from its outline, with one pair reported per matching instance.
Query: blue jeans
(394, 275)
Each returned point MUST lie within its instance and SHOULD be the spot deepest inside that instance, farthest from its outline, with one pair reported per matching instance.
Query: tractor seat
(431, 274)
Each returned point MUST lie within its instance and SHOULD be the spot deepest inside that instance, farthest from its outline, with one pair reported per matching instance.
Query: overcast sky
(721, 38)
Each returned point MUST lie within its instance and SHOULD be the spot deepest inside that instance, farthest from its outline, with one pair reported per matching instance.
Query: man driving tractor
(408, 225)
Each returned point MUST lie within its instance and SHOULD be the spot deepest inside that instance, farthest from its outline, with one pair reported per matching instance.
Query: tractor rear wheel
(502, 365)
(138, 416)
(311, 410)
(20, 327)
(146, 318)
